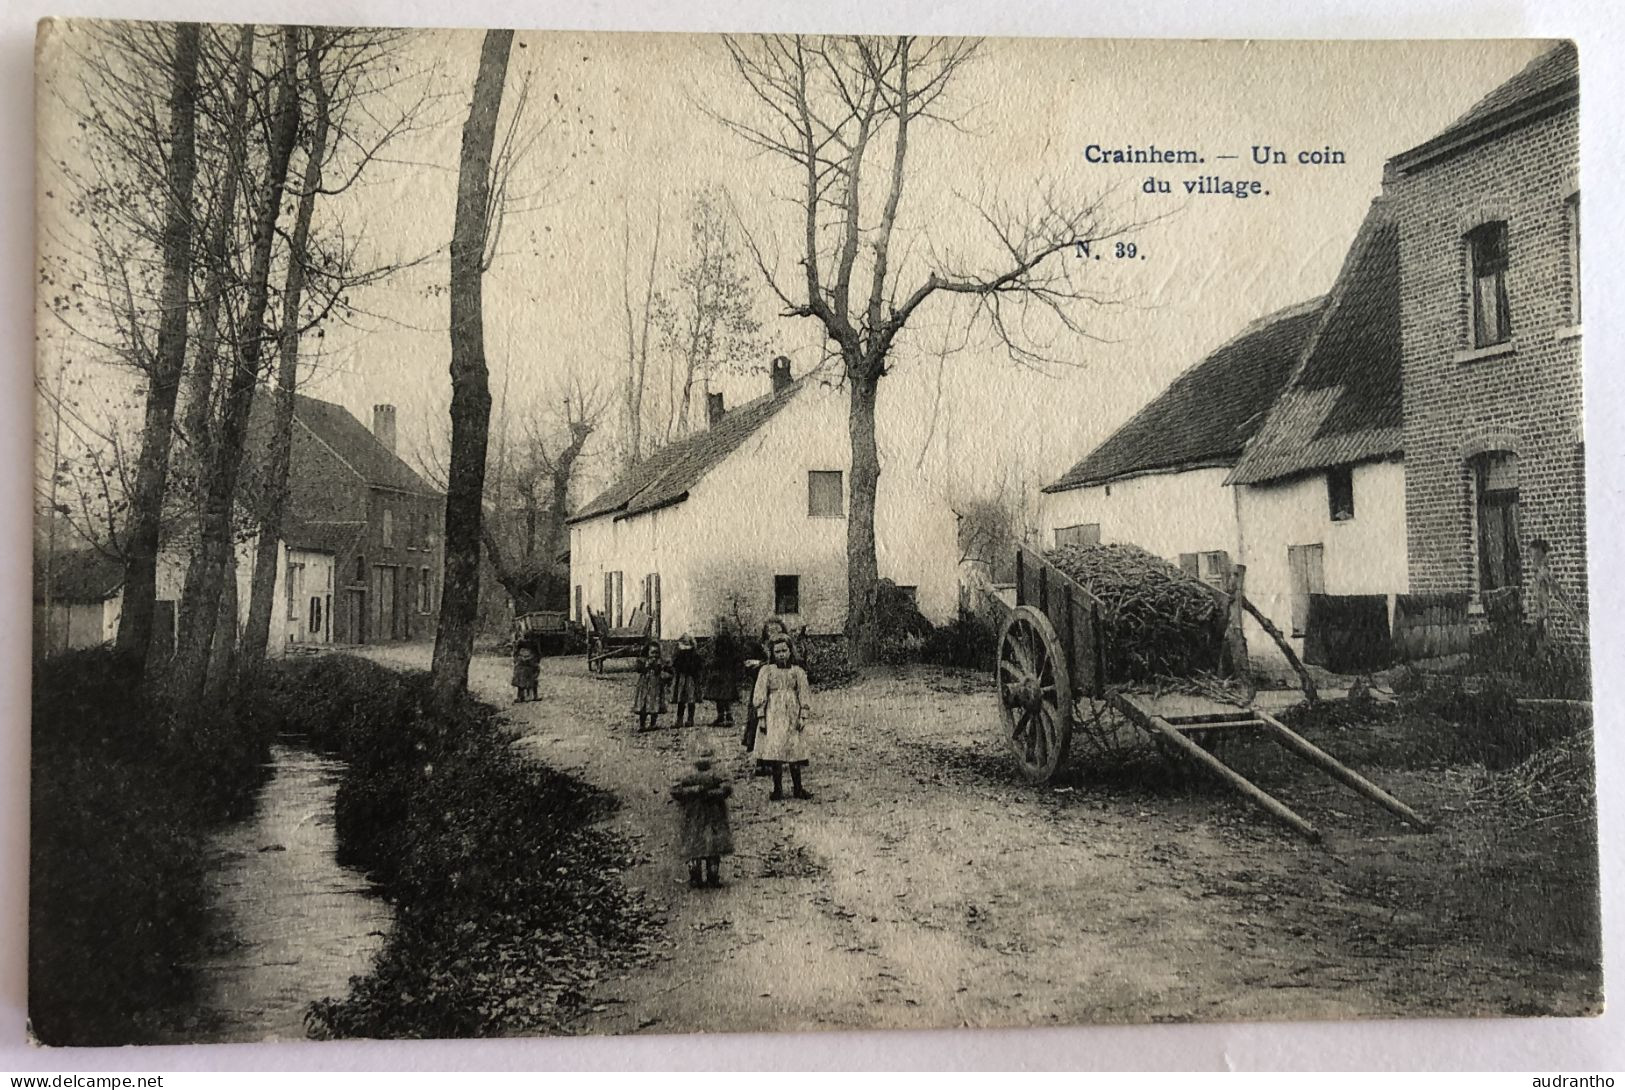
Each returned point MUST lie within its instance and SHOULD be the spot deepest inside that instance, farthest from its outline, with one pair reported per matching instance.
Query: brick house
(1489, 225)
(353, 499)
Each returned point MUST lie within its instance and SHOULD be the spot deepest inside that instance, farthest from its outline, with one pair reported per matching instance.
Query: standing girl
(649, 700)
(782, 703)
(722, 673)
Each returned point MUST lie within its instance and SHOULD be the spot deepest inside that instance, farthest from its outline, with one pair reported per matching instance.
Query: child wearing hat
(706, 837)
(527, 672)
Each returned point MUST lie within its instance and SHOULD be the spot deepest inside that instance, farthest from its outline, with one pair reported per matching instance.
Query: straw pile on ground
(1157, 621)
(1553, 789)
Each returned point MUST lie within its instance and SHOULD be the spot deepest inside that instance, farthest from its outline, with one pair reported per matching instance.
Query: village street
(925, 886)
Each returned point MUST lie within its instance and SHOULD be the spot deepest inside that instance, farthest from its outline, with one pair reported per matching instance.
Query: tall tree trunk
(564, 467)
(205, 577)
(197, 419)
(223, 650)
(862, 568)
(152, 471)
(470, 383)
(262, 591)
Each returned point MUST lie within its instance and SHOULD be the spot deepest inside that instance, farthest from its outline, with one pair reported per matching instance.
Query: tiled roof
(1210, 411)
(81, 575)
(1344, 402)
(349, 438)
(338, 538)
(665, 477)
(1553, 73)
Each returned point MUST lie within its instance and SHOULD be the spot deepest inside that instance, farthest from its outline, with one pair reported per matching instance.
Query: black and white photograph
(565, 533)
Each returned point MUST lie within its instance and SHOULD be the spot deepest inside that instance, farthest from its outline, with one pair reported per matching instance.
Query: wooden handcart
(542, 630)
(605, 643)
(1051, 655)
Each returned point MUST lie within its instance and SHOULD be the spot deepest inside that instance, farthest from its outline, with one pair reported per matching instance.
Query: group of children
(775, 728)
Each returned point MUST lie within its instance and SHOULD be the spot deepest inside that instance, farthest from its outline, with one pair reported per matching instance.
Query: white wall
(1362, 555)
(747, 521)
(291, 615)
(1164, 513)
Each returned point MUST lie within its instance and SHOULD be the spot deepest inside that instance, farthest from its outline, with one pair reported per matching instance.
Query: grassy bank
(121, 804)
(507, 893)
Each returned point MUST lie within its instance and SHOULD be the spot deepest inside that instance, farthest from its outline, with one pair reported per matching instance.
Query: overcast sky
(627, 135)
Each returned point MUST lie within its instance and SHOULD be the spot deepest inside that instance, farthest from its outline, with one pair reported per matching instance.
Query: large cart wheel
(1035, 693)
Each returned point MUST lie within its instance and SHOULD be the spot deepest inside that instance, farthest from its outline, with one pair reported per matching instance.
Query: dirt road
(924, 886)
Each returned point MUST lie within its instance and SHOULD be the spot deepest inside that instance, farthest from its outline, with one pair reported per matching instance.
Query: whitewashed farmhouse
(1159, 480)
(748, 518)
(1320, 489)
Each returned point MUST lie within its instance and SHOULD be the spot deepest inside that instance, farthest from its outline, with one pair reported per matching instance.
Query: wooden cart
(542, 630)
(605, 643)
(1050, 655)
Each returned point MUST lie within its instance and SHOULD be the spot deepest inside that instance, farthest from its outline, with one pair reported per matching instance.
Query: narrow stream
(294, 925)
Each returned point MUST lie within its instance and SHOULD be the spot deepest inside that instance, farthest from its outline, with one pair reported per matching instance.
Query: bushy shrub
(827, 662)
(969, 641)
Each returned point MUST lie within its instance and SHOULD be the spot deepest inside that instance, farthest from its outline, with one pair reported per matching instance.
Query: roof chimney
(781, 373)
(383, 425)
(713, 408)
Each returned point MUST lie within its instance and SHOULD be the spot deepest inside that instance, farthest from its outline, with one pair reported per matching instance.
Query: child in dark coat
(706, 837)
(527, 673)
(685, 683)
(722, 673)
(649, 699)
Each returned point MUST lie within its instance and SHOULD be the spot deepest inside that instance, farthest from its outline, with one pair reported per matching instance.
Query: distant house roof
(351, 440)
(1550, 79)
(1210, 411)
(338, 538)
(664, 478)
(1344, 402)
(80, 575)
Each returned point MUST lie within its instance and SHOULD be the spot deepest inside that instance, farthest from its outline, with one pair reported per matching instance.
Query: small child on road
(685, 685)
(527, 672)
(649, 699)
(706, 837)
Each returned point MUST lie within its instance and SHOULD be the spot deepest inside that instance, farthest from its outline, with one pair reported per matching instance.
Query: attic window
(1340, 493)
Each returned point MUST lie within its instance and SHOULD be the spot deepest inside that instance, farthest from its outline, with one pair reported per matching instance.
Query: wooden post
(1268, 803)
(1235, 638)
(1339, 771)
(1310, 693)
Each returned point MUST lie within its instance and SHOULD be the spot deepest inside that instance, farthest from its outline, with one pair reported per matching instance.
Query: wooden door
(385, 612)
(1307, 568)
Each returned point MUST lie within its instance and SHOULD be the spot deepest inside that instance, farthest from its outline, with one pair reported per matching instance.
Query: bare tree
(707, 322)
(637, 336)
(470, 383)
(206, 575)
(262, 591)
(831, 108)
(168, 359)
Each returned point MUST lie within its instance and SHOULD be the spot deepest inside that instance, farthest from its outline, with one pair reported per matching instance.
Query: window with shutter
(1340, 493)
(1087, 533)
(826, 496)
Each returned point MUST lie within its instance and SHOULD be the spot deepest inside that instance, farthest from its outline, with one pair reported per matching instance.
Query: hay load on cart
(1111, 626)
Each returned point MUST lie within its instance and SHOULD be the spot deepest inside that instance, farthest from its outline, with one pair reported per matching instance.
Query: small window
(360, 569)
(826, 497)
(1215, 569)
(1087, 533)
(386, 528)
(1571, 210)
(1487, 252)
(787, 594)
(315, 614)
(1340, 493)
